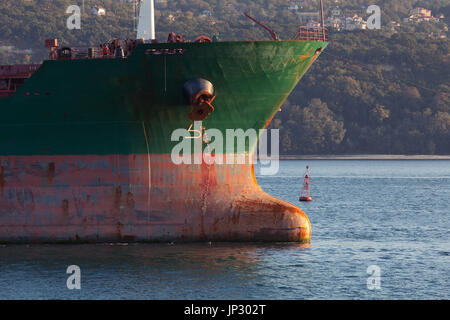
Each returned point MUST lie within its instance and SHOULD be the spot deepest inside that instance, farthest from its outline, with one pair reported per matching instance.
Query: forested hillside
(371, 91)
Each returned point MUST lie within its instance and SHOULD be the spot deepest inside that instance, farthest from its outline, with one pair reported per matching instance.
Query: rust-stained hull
(111, 198)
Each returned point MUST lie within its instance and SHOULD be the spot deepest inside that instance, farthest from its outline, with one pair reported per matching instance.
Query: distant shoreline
(365, 157)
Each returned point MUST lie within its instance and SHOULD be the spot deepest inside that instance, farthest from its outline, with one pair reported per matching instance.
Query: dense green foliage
(372, 91)
(392, 95)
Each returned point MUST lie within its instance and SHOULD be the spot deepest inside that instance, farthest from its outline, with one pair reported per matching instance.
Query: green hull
(97, 106)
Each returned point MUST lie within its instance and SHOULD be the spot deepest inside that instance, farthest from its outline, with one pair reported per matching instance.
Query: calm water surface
(392, 214)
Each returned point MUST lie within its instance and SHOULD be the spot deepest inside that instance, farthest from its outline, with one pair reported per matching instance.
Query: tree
(313, 129)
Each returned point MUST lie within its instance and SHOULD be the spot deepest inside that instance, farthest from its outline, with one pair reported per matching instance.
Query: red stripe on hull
(112, 198)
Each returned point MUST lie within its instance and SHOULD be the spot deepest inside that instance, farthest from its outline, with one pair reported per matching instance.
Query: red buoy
(304, 195)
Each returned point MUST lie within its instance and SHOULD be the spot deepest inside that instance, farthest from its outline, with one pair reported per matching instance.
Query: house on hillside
(313, 24)
(98, 11)
(206, 13)
(355, 22)
(306, 17)
(335, 20)
(420, 12)
(295, 6)
(418, 15)
(171, 17)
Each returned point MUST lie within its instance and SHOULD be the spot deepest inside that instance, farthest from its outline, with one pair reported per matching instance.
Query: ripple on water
(363, 213)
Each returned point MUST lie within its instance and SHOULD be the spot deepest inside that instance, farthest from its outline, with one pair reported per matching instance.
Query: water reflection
(137, 270)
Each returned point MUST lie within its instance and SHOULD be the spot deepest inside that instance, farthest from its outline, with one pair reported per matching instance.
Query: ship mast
(322, 22)
(146, 23)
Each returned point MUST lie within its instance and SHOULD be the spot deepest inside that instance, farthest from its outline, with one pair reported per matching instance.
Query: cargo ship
(85, 153)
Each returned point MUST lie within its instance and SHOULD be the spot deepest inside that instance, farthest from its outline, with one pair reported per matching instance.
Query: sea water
(380, 230)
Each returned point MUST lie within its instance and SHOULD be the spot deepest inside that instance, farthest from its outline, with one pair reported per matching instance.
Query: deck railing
(312, 33)
(6, 93)
(18, 70)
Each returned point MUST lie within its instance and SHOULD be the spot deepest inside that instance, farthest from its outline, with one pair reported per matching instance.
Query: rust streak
(117, 196)
(51, 172)
(130, 200)
(65, 206)
(2, 179)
